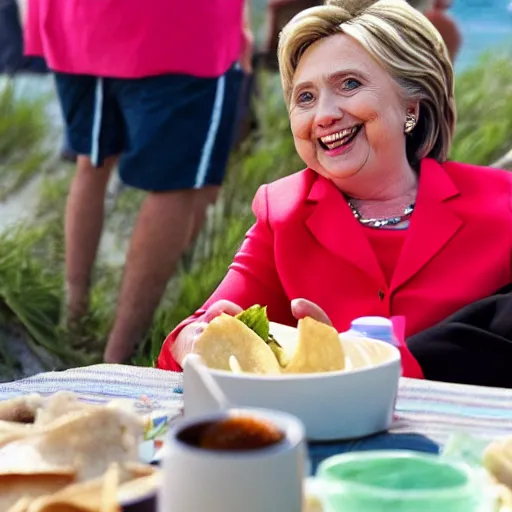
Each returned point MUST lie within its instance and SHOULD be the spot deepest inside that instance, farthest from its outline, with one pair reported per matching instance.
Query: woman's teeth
(335, 140)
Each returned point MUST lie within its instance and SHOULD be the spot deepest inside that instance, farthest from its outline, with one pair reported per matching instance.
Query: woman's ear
(413, 108)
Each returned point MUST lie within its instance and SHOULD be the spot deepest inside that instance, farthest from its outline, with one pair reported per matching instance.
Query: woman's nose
(328, 112)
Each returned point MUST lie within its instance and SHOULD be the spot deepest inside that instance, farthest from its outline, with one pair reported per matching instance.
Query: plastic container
(400, 481)
(375, 327)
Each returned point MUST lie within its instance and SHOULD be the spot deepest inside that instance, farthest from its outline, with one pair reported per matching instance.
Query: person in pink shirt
(153, 88)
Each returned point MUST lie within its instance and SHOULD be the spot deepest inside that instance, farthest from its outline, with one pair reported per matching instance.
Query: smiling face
(347, 115)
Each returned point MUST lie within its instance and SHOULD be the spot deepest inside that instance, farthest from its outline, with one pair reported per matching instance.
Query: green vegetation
(484, 104)
(22, 137)
(31, 256)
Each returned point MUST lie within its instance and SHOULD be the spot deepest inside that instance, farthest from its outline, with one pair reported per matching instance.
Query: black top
(473, 346)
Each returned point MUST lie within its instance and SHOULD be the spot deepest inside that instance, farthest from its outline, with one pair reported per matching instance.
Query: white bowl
(356, 402)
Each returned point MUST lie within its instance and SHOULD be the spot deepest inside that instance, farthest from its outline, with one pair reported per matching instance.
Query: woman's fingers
(216, 309)
(199, 328)
(219, 307)
(186, 339)
(302, 308)
(184, 343)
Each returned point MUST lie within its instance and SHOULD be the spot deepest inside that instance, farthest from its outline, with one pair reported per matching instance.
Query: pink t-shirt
(134, 38)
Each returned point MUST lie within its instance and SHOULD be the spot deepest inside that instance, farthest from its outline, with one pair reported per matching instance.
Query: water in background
(485, 24)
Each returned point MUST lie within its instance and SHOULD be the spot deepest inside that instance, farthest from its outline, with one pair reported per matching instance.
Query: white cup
(263, 480)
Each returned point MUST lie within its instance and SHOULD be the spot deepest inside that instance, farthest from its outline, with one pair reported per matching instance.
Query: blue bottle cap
(376, 327)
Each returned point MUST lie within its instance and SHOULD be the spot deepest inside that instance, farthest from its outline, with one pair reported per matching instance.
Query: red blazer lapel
(333, 225)
(433, 224)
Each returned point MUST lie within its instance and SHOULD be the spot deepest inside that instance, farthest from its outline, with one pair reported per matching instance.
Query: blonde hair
(406, 45)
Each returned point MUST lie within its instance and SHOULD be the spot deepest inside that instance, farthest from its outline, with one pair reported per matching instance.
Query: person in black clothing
(473, 346)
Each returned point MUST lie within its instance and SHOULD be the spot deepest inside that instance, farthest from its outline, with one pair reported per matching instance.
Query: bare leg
(83, 227)
(162, 232)
(207, 197)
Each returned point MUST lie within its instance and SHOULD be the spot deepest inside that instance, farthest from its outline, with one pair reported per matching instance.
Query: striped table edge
(432, 409)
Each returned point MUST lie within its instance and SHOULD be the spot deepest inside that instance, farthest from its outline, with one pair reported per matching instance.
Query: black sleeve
(473, 346)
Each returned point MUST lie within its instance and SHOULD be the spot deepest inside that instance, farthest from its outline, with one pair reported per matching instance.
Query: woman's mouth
(339, 139)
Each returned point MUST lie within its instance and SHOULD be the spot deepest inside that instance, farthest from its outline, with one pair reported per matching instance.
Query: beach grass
(23, 139)
(484, 105)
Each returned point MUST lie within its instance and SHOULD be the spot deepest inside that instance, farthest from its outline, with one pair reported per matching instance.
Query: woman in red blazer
(379, 223)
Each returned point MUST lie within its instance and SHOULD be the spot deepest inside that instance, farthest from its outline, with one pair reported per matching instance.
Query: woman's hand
(302, 308)
(184, 343)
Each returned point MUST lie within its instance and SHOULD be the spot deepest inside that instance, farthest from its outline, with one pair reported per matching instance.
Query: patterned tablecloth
(426, 412)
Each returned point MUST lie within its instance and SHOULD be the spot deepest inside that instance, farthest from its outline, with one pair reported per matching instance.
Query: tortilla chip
(98, 495)
(226, 336)
(23, 457)
(94, 439)
(11, 431)
(102, 494)
(21, 409)
(34, 408)
(109, 502)
(139, 487)
(83, 441)
(60, 404)
(21, 505)
(136, 470)
(319, 349)
(10, 427)
(23, 416)
(14, 488)
(74, 458)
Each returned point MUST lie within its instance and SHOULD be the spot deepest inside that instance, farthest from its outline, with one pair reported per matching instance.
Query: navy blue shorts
(171, 131)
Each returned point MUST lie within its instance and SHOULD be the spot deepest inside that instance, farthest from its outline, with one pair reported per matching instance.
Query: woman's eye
(351, 84)
(304, 97)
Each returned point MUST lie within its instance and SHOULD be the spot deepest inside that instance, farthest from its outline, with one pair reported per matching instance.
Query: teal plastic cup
(399, 481)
